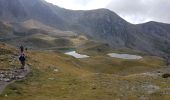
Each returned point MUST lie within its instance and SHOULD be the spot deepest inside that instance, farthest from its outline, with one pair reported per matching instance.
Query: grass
(63, 50)
(77, 79)
(104, 64)
(94, 48)
(7, 58)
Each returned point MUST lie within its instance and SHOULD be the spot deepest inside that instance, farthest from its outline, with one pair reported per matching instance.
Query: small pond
(76, 55)
(124, 56)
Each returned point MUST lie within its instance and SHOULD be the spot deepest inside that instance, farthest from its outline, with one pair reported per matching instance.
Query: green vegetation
(55, 76)
(63, 50)
(7, 58)
(97, 48)
(104, 64)
(94, 48)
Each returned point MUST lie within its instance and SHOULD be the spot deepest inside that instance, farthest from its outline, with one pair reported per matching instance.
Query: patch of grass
(4, 51)
(63, 50)
(62, 42)
(7, 58)
(82, 79)
(103, 64)
(93, 48)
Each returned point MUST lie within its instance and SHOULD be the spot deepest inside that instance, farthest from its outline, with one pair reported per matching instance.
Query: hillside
(50, 32)
(101, 24)
(58, 76)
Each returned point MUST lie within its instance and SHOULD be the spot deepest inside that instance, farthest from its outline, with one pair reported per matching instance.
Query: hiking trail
(9, 76)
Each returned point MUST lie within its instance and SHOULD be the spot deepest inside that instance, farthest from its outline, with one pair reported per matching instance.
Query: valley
(55, 75)
(80, 54)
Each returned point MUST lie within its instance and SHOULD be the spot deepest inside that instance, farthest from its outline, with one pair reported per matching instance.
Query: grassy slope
(76, 80)
(104, 64)
(96, 48)
(8, 57)
(44, 41)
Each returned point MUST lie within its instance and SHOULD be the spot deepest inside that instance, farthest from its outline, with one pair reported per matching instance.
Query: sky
(133, 11)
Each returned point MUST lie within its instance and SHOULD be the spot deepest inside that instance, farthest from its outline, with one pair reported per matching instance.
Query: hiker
(22, 60)
(26, 49)
(22, 49)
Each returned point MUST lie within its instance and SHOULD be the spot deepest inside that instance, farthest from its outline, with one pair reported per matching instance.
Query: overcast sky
(134, 11)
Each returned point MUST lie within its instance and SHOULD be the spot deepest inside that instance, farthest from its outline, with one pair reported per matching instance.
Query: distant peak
(155, 22)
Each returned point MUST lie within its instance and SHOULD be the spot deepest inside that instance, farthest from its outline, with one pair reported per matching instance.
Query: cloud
(81, 4)
(139, 11)
(134, 11)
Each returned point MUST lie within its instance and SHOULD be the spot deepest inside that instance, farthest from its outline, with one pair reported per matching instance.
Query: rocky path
(9, 76)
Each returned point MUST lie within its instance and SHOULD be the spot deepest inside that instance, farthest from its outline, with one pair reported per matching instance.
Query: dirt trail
(9, 76)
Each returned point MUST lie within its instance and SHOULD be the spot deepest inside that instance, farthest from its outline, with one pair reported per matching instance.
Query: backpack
(22, 58)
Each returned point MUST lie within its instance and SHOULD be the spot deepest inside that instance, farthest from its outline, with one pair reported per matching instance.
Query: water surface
(124, 56)
(76, 55)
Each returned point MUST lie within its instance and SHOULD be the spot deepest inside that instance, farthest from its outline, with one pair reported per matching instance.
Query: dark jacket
(22, 58)
(22, 48)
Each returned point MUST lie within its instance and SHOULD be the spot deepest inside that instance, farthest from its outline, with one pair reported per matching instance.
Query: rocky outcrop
(8, 76)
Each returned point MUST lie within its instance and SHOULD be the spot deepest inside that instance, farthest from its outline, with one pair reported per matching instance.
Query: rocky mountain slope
(102, 25)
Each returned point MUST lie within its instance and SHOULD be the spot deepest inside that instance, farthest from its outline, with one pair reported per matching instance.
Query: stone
(20, 77)
(6, 80)
(166, 75)
(51, 78)
(56, 70)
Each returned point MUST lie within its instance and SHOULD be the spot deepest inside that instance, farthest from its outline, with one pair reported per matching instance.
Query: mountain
(101, 24)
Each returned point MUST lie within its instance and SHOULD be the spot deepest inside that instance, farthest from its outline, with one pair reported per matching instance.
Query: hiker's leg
(23, 65)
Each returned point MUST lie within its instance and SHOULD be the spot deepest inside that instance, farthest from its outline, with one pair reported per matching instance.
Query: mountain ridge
(100, 24)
